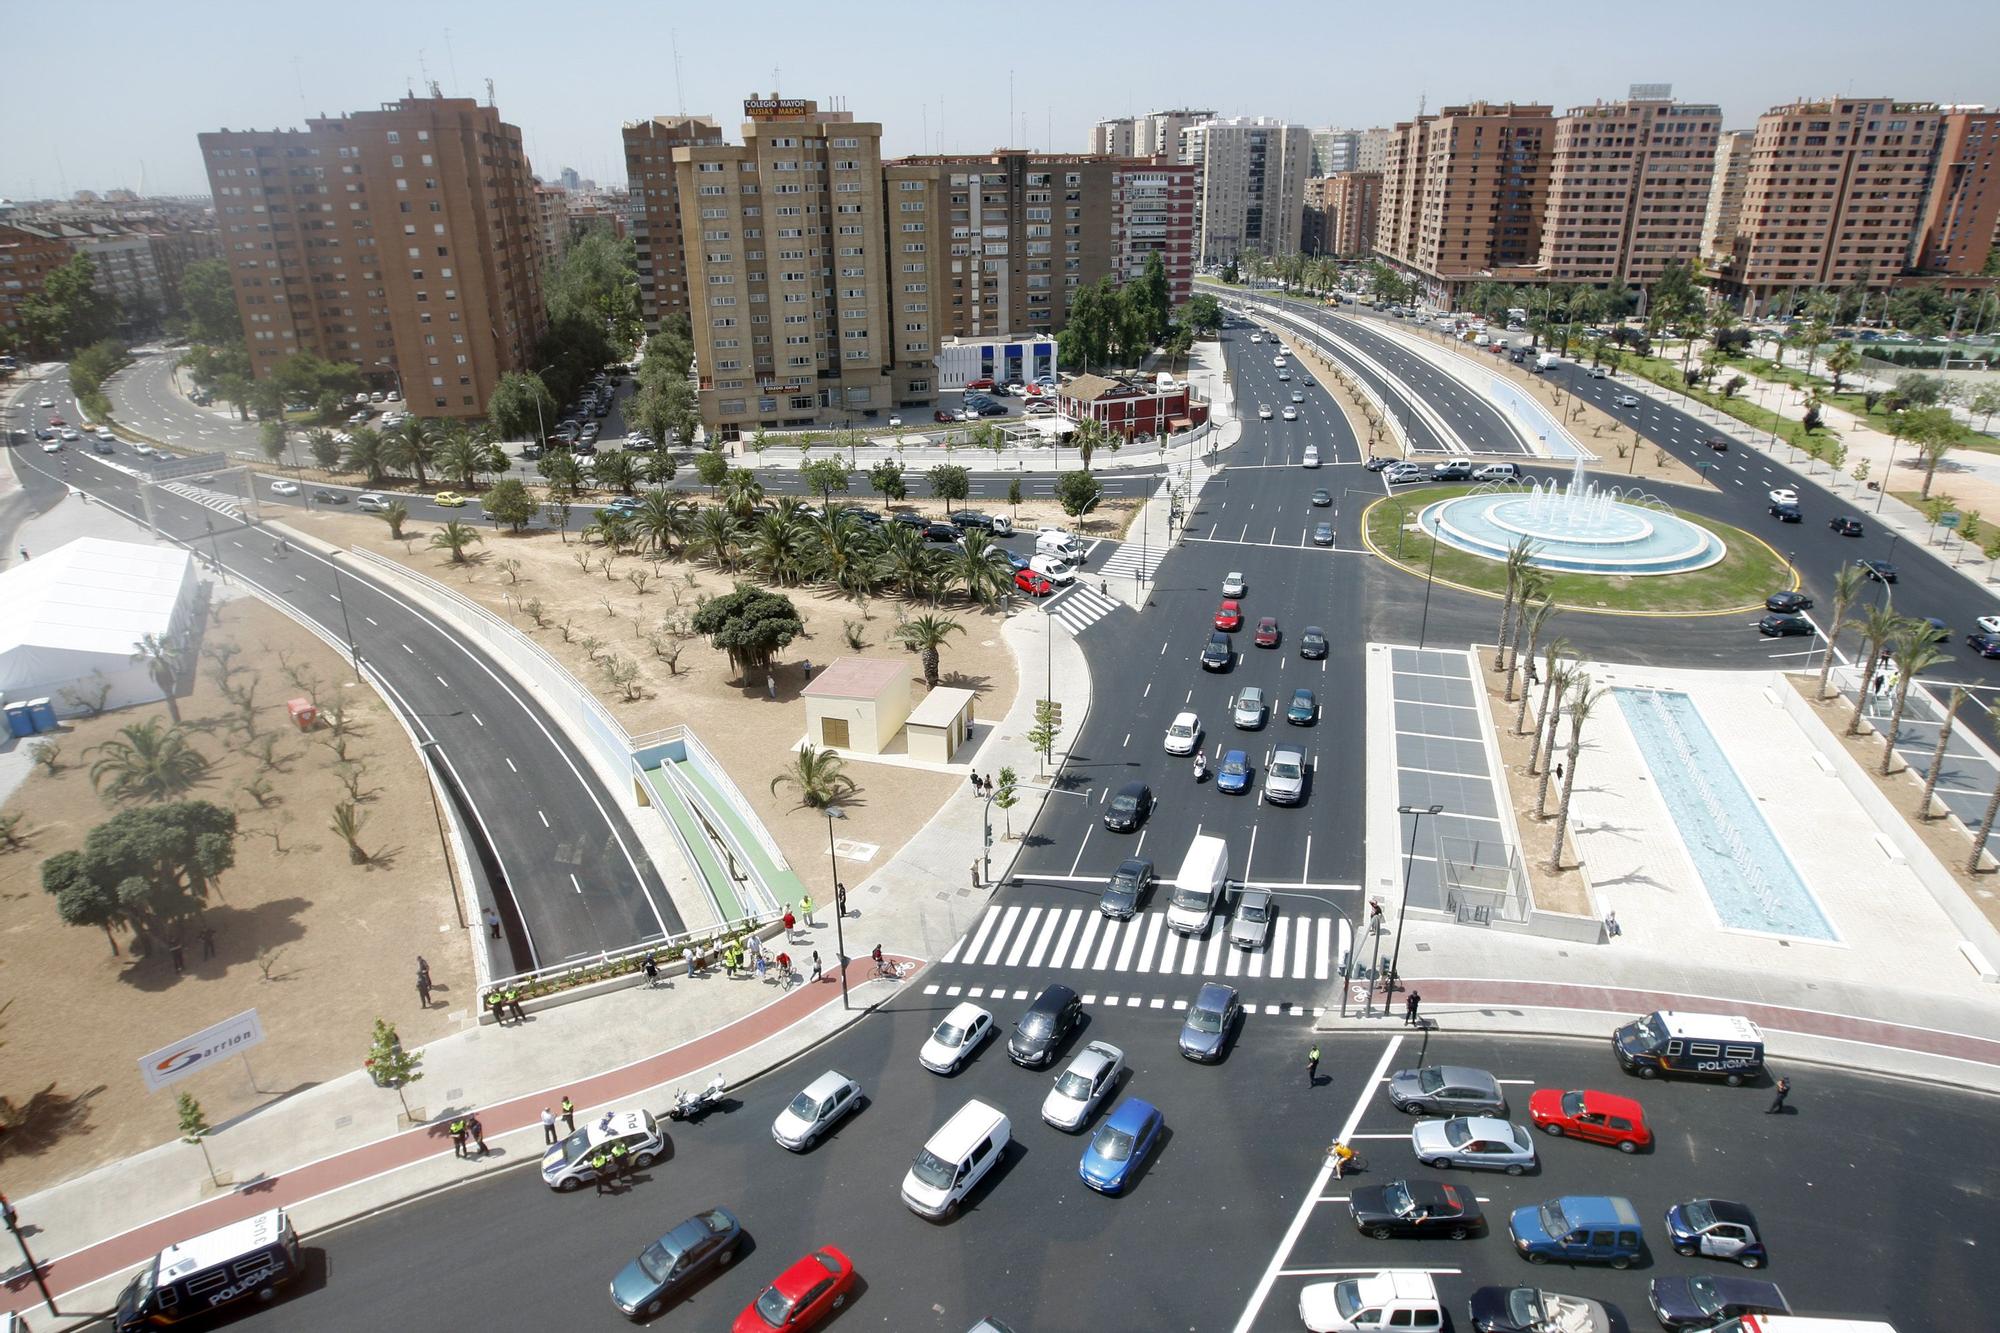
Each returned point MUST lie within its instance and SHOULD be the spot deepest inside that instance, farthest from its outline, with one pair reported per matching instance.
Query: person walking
(1410, 1010)
(496, 1007)
(1777, 1106)
(1312, 1066)
(548, 1125)
(492, 919)
(179, 955)
(758, 965)
(817, 969)
(806, 911)
(207, 938)
(423, 982)
(651, 968)
(770, 685)
(791, 924)
(1559, 774)
(568, 1115)
(458, 1138)
(478, 1133)
(693, 956)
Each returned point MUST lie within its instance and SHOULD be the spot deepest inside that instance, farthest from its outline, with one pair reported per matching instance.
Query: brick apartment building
(1628, 189)
(1464, 193)
(28, 254)
(1353, 211)
(649, 176)
(1956, 234)
(400, 239)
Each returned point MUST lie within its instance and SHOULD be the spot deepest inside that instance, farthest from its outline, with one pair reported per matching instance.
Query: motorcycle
(1200, 767)
(685, 1106)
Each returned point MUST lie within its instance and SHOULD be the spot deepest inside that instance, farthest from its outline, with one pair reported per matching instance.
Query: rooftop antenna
(423, 68)
(1010, 103)
(451, 59)
(680, 93)
(301, 81)
(489, 93)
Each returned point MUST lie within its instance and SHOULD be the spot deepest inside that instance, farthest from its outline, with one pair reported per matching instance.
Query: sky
(118, 103)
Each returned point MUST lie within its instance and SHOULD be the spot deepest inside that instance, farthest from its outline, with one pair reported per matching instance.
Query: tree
(1878, 625)
(927, 634)
(710, 467)
(1918, 649)
(325, 449)
(396, 515)
(1078, 493)
(741, 492)
(147, 762)
(1520, 559)
(1007, 795)
(597, 282)
(616, 470)
(750, 624)
(1583, 699)
(522, 408)
(1986, 402)
(981, 567)
(195, 1129)
(413, 445)
(818, 776)
(390, 1065)
(508, 502)
(1952, 704)
(209, 297)
(886, 480)
(1934, 432)
(1013, 496)
(1090, 436)
(660, 467)
(145, 869)
(271, 435)
(1842, 359)
(1985, 833)
(366, 454)
(163, 663)
(1042, 736)
(1203, 313)
(662, 518)
(948, 482)
(69, 312)
(1530, 628)
(346, 825)
(1847, 586)
(455, 537)
(824, 476)
(1090, 334)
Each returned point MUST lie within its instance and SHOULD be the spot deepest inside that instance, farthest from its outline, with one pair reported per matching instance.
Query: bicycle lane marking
(353, 1166)
(1312, 1197)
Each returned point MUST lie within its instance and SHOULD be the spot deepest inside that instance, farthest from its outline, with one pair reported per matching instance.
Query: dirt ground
(752, 735)
(1948, 839)
(1564, 892)
(318, 947)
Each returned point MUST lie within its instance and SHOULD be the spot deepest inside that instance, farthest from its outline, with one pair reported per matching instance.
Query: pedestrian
(492, 923)
(758, 966)
(24, 555)
(569, 1116)
(621, 1160)
(423, 984)
(207, 942)
(179, 954)
(974, 779)
(458, 1138)
(693, 956)
(817, 968)
(1533, 679)
(1410, 1010)
(600, 1168)
(497, 1007)
(1312, 1066)
(791, 924)
(548, 1125)
(1611, 926)
(478, 1133)
(651, 968)
(809, 670)
(975, 874)
(514, 1004)
(1777, 1106)
(1559, 774)
(770, 685)
(806, 910)
(1878, 682)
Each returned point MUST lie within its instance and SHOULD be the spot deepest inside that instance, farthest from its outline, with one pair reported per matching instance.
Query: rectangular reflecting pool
(1749, 878)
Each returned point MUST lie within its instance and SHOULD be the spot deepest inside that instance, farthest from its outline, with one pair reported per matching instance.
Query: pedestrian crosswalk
(223, 504)
(1282, 1008)
(1082, 606)
(1135, 560)
(1082, 939)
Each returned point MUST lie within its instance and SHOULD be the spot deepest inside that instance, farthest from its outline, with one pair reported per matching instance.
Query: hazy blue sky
(96, 94)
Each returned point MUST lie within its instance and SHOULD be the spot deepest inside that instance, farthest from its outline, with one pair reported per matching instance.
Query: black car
(1881, 571)
(993, 410)
(860, 514)
(1787, 513)
(1415, 1208)
(1129, 887)
(326, 497)
(1846, 527)
(943, 533)
(1529, 1310)
(1376, 462)
(1322, 498)
(1704, 1302)
(1312, 643)
(972, 518)
(675, 1262)
(1717, 443)
(1039, 1033)
(1788, 602)
(1129, 808)
(1216, 653)
(1986, 645)
(910, 520)
(1785, 627)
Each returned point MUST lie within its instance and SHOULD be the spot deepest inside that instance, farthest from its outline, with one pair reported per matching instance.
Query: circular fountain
(1578, 527)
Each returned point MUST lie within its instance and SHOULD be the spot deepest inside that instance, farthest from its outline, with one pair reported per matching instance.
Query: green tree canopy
(886, 480)
(598, 281)
(949, 482)
(1203, 313)
(824, 476)
(508, 501)
(522, 408)
(210, 299)
(1078, 493)
(69, 312)
(750, 624)
(146, 869)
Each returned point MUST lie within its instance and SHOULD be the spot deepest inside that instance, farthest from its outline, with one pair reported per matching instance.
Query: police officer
(621, 1161)
(600, 1166)
(514, 1004)
(497, 1003)
(569, 1116)
(458, 1137)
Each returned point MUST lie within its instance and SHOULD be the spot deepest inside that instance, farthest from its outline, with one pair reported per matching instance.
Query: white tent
(78, 612)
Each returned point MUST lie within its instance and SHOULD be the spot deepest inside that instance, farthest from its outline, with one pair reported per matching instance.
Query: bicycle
(891, 970)
(1352, 1165)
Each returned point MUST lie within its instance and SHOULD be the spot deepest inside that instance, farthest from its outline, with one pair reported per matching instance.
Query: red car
(980, 384)
(1595, 1117)
(802, 1295)
(944, 416)
(1028, 581)
(1267, 632)
(1229, 616)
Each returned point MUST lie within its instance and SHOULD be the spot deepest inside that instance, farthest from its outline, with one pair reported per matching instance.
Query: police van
(245, 1260)
(1666, 1041)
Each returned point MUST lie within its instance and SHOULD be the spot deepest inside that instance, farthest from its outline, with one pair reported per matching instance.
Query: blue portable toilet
(43, 713)
(20, 719)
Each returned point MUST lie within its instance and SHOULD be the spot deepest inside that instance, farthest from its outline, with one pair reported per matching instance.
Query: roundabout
(1578, 527)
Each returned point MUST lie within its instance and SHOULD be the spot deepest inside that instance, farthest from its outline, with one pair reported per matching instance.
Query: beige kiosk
(858, 704)
(940, 724)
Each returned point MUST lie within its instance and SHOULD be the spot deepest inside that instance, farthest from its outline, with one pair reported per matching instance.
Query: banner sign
(774, 108)
(171, 1064)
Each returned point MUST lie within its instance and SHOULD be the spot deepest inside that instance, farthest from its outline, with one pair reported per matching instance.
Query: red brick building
(1131, 408)
(27, 256)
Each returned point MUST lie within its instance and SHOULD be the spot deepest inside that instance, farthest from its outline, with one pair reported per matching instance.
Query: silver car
(824, 1103)
(1250, 923)
(1285, 777)
(1447, 1090)
(1082, 1088)
(1249, 711)
(1476, 1141)
(1233, 585)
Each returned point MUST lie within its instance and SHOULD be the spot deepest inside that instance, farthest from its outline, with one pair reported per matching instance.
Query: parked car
(1233, 776)
(1704, 1302)
(955, 1038)
(566, 1166)
(802, 1296)
(1414, 1208)
(1529, 1310)
(1285, 776)
(1788, 603)
(1312, 643)
(1125, 893)
(1210, 1022)
(1082, 1087)
(808, 1117)
(1248, 713)
(676, 1262)
(1121, 1146)
(1041, 1030)
(1594, 1117)
(1718, 1228)
(1478, 1142)
(1446, 1089)
(1398, 1299)
(1129, 808)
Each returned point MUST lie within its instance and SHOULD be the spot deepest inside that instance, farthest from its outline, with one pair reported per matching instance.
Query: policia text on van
(247, 1260)
(1668, 1041)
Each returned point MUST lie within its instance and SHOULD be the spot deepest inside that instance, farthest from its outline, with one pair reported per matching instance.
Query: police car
(566, 1166)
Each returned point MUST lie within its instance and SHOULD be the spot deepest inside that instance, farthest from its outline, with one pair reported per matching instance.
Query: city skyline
(136, 128)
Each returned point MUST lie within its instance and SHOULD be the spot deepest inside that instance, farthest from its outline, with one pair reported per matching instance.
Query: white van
(957, 1157)
(1547, 361)
(1054, 570)
(246, 1262)
(1056, 542)
(1312, 455)
(1198, 888)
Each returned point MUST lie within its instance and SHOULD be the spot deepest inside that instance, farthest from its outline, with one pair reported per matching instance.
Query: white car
(284, 488)
(895, 422)
(826, 1101)
(143, 450)
(1989, 624)
(46, 402)
(1263, 411)
(1279, 359)
(51, 446)
(1399, 1298)
(1626, 400)
(395, 396)
(1291, 413)
(955, 1038)
(1784, 495)
(69, 433)
(1184, 735)
(1233, 584)
(1255, 338)
(1082, 1087)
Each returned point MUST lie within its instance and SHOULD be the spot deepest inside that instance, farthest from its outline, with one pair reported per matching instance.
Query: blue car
(1017, 560)
(1120, 1144)
(1234, 775)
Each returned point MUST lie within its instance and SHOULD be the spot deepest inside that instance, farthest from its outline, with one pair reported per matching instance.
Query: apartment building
(1956, 234)
(787, 246)
(28, 254)
(1835, 196)
(1157, 134)
(1463, 195)
(126, 271)
(1725, 194)
(1253, 174)
(1313, 228)
(1334, 151)
(1371, 148)
(1628, 189)
(1402, 188)
(1116, 137)
(1353, 202)
(1153, 213)
(177, 242)
(550, 205)
(399, 239)
(650, 177)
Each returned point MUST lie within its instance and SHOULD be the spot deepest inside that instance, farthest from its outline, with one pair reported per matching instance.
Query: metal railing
(612, 963)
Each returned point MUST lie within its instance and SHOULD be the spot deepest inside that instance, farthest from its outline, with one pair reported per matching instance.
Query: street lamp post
(1419, 811)
(834, 812)
(34, 1269)
(340, 595)
(1430, 574)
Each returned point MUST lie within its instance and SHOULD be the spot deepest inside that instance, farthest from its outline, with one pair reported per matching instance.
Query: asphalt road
(579, 878)
(1196, 1243)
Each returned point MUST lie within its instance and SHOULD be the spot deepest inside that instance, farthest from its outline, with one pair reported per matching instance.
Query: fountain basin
(1580, 529)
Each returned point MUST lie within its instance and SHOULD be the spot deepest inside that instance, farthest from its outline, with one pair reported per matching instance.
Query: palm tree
(778, 546)
(412, 445)
(1534, 588)
(1583, 699)
(1561, 674)
(1535, 621)
(1846, 587)
(150, 763)
(927, 634)
(819, 777)
(981, 567)
(1557, 650)
(1980, 838)
(396, 515)
(844, 555)
(346, 825)
(455, 537)
(367, 454)
(1919, 649)
(1518, 560)
(901, 560)
(1840, 360)
(661, 518)
(1958, 697)
(616, 470)
(613, 529)
(163, 664)
(715, 536)
(1879, 625)
(741, 491)
(461, 457)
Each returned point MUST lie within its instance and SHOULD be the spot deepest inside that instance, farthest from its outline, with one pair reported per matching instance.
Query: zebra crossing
(1135, 560)
(1084, 940)
(1082, 606)
(1112, 1001)
(225, 505)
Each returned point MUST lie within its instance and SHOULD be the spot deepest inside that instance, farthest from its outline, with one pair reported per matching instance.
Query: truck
(1203, 878)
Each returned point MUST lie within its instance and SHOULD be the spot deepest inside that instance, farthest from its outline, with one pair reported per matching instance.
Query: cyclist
(1343, 1157)
(877, 956)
